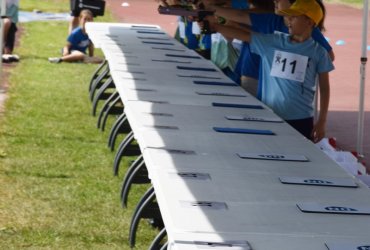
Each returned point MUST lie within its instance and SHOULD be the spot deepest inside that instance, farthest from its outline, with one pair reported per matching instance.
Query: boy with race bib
(290, 64)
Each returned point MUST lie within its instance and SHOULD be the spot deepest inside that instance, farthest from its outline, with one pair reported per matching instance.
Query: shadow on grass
(41, 175)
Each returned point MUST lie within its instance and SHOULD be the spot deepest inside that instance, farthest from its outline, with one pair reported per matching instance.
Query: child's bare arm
(318, 131)
(66, 49)
(232, 31)
(240, 16)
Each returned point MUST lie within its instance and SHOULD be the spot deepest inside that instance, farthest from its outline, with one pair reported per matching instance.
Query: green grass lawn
(57, 189)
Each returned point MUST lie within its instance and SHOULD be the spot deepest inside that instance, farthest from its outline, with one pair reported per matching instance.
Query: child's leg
(7, 23)
(10, 39)
(75, 56)
(92, 59)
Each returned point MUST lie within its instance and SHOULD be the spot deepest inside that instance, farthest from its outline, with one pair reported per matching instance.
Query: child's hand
(211, 22)
(65, 52)
(318, 132)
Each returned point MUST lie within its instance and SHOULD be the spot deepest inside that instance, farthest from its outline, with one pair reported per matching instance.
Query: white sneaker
(55, 59)
(9, 58)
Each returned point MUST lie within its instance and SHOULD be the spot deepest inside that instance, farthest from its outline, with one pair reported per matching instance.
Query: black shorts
(10, 39)
(303, 126)
(75, 13)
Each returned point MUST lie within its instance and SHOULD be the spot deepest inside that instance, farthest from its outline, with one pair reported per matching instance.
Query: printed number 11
(294, 63)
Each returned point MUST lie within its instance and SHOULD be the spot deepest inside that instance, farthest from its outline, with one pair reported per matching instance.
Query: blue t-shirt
(205, 41)
(239, 4)
(249, 63)
(79, 40)
(187, 38)
(192, 41)
(290, 99)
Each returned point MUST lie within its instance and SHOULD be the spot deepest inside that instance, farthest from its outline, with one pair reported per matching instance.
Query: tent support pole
(360, 130)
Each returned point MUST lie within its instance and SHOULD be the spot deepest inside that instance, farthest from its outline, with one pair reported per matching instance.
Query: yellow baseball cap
(309, 8)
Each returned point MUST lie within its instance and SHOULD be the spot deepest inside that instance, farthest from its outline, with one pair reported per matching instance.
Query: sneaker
(55, 59)
(5, 59)
(14, 58)
(9, 58)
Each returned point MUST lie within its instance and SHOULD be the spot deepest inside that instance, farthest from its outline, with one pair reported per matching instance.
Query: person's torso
(79, 40)
(289, 73)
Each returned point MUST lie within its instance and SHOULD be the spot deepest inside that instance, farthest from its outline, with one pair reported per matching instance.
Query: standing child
(290, 64)
(77, 44)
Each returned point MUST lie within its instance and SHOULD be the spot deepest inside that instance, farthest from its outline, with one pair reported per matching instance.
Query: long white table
(193, 118)
(212, 191)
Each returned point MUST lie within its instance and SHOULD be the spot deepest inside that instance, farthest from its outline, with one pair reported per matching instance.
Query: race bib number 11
(289, 66)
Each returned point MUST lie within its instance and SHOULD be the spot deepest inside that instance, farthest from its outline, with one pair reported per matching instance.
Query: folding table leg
(156, 243)
(146, 208)
(98, 82)
(126, 148)
(97, 72)
(138, 161)
(126, 141)
(164, 247)
(113, 109)
(137, 174)
(106, 105)
(120, 126)
(102, 95)
(144, 199)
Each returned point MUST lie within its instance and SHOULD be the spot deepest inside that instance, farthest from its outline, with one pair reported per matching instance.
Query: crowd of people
(274, 49)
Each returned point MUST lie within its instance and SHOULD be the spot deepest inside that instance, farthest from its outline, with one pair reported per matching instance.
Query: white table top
(241, 186)
(153, 116)
(230, 143)
(229, 161)
(99, 32)
(265, 241)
